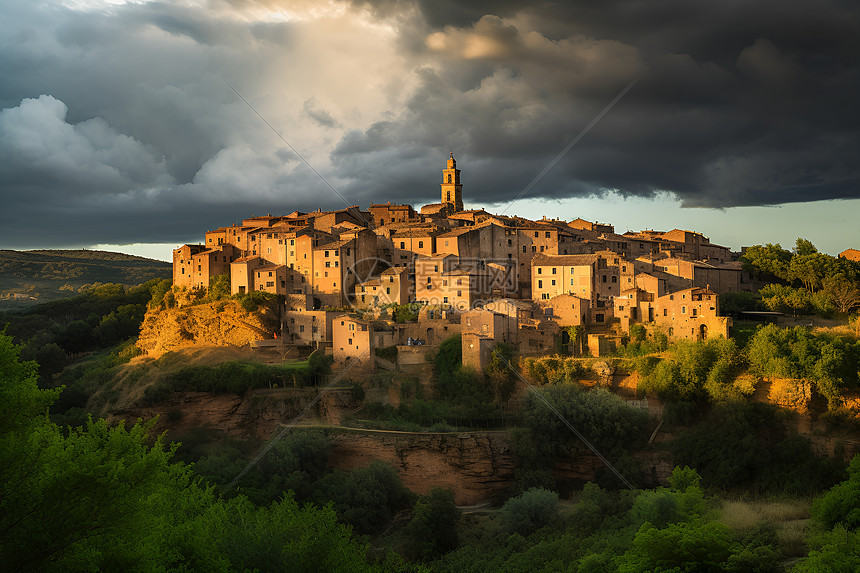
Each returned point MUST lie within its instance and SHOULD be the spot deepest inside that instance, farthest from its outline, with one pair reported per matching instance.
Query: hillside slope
(223, 323)
(31, 277)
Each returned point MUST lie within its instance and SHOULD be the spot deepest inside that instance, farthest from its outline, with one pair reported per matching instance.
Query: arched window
(449, 178)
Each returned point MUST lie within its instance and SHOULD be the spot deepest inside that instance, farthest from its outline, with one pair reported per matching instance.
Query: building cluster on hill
(491, 278)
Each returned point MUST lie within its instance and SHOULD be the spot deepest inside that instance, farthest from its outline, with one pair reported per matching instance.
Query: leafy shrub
(432, 530)
(685, 546)
(406, 312)
(237, 377)
(696, 371)
(252, 301)
(751, 447)
(533, 509)
(841, 503)
(830, 362)
(604, 419)
(365, 498)
(387, 353)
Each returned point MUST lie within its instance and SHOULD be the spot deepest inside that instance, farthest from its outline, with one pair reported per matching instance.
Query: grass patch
(790, 518)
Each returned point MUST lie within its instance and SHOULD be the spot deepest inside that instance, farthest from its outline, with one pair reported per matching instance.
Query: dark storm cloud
(116, 124)
(737, 103)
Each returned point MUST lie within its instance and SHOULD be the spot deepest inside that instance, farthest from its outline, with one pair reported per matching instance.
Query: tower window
(449, 178)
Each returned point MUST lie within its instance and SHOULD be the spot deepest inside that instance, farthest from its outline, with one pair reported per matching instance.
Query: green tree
(448, 359)
(684, 547)
(533, 509)
(836, 551)
(767, 260)
(219, 286)
(841, 503)
(433, 528)
(843, 292)
(804, 247)
(101, 498)
(365, 498)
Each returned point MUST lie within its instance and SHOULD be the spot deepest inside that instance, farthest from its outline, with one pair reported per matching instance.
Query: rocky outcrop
(220, 323)
(476, 466)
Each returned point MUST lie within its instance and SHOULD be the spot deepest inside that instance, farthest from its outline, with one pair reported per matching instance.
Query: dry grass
(791, 519)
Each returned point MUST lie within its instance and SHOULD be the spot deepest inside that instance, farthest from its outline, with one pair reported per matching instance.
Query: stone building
(352, 339)
(692, 314)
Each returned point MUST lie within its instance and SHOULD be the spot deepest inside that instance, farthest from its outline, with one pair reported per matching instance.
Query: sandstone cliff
(476, 466)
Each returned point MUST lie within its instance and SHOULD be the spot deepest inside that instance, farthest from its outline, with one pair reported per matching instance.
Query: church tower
(452, 190)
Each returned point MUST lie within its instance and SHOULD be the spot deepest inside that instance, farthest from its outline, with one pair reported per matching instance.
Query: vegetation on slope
(801, 281)
(102, 498)
(52, 274)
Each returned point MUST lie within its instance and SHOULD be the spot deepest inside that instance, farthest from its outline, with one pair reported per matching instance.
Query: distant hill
(30, 277)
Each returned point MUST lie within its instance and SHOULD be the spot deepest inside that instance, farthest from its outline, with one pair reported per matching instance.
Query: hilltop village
(491, 278)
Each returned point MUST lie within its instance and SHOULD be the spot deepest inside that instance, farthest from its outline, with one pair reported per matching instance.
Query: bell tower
(452, 190)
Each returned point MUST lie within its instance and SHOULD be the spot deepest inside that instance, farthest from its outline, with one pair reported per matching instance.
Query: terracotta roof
(413, 232)
(246, 259)
(457, 232)
(351, 318)
(432, 208)
(543, 260)
(393, 271)
(333, 245)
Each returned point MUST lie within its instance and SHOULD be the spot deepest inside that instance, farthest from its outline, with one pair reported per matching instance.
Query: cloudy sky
(148, 123)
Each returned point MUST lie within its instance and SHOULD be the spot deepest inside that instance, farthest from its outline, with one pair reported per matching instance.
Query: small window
(540, 271)
(683, 310)
(665, 312)
(402, 244)
(553, 282)
(420, 244)
(604, 278)
(547, 234)
(540, 284)
(614, 279)
(553, 270)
